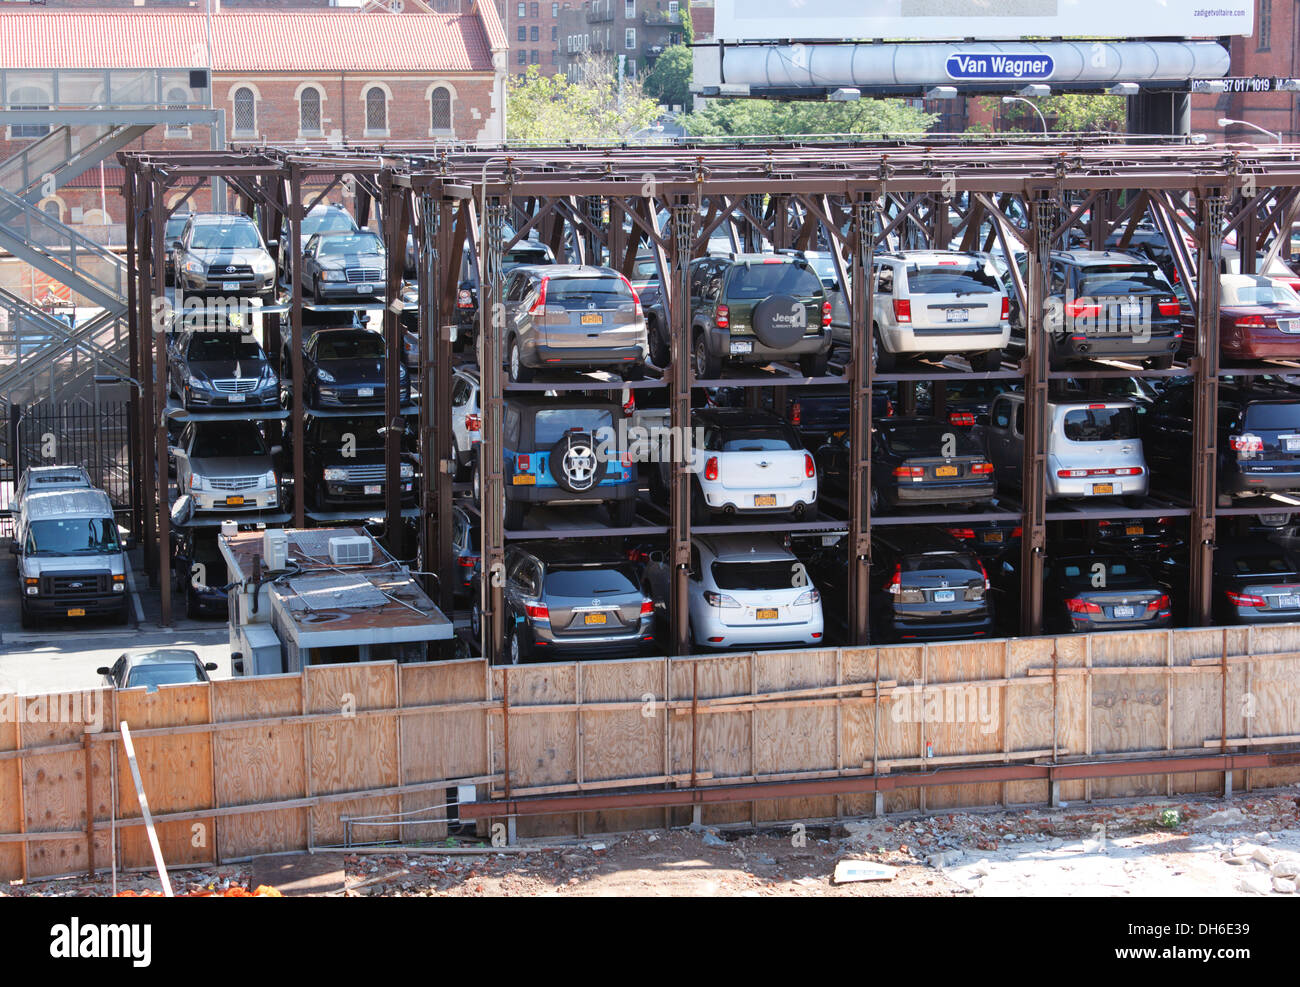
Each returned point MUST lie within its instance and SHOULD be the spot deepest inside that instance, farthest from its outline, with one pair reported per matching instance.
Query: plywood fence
(240, 767)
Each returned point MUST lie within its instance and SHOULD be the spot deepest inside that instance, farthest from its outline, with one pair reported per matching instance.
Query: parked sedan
(919, 461)
(1102, 591)
(221, 370)
(164, 666)
(1259, 318)
(344, 368)
(226, 466)
(1256, 581)
(345, 267)
(926, 586)
(223, 254)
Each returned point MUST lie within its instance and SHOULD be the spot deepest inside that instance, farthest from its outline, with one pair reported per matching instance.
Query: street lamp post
(1030, 104)
(1227, 122)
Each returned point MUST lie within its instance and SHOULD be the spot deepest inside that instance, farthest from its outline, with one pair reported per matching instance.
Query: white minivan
(1093, 449)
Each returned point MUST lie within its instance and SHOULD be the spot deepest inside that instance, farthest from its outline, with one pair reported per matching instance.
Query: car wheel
(659, 353)
(707, 366)
(875, 500)
(810, 512)
(457, 467)
(519, 373)
(315, 293)
(884, 361)
(633, 371)
(475, 617)
(814, 364)
(26, 619)
(123, 614)
(191, 608)
(1161, 362)
(515, 652)
(987, 362)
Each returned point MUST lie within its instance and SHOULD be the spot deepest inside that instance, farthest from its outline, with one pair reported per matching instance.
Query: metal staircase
(47, 164)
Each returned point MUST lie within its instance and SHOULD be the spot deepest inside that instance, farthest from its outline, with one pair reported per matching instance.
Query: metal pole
(396, 220)
(441, 267)
(157, 227)
(681, 377)
(865, 214)
(295, 345)
(491, 472)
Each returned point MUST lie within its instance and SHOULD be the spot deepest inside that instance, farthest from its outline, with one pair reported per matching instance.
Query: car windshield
(356, 243)
(764, 278)
(73, 536)
(645, 270)
(586, 581)
(952, 276)
(333, 432)
(325, 221)
(351, 346)
(176, 226)
(177, 673)
(928, 440)
(223, 346)
(1103, 574)
(1262, 565)
(550, 426)
(524, 255)
(1263, 292)
(1273, 415)
(1121, 279)
(578, 292)
(228, 440)
(780, 574)
(751, 438)
(236, 236)
(940, 562)
(1100, 424)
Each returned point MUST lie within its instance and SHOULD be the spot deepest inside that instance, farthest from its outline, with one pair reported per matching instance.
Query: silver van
(1093, 449)
(71, 559)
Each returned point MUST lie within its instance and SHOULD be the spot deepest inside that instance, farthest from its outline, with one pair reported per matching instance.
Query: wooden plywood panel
(965, 720)
(1129, 648)
(352, 753)
(1030, 713)
(176, 772)
(12, 855)
(268, 831)
(1270, 704)
(723, 741)
(430, 683)
(1128, 714)
(857, 726)
(327, 820)
(898, 723)
(442, 745)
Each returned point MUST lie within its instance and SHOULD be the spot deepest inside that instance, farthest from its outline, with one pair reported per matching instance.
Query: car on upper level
(343, 462)
(529, 251)
(223, 254)
(1259, 318)
(921, 461)
(344, 368)
(341, 266)
(226, 466)
(220, 370)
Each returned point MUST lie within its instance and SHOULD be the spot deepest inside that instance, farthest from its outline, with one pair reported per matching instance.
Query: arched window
(177, 99)
(53, 208)
(29, 98)
(440, 109)
(376, 111)
(309, 111)
(245, 111)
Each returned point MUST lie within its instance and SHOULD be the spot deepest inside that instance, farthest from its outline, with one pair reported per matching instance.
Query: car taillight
(711, 468)
(467, 561)
(1006, 308)
(1160, 604)
(464, 299)
(796, 413)
(983, 572)
(1169, 306)
(647, 608)
(629, 406)
(913, 471)
(979, 469)
(809, 469)
(903, 309)
(537, 611)
(1249, 322)
(1245, 600)
(965, 534)
(1082, 606)
(1080, 310)
(473, 423)
(1246, 443)
(540, 304)
(961, 418)
(636, 299)
(722, 317)
(1017, 532)
(896, 583)
(523, 464)
(826, 314)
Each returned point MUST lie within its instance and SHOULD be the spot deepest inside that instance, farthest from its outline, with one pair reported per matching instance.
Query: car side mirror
(176, 245)
(104, 670)
(273, 243)
(237, 662)
(175, 451)
(210, 666)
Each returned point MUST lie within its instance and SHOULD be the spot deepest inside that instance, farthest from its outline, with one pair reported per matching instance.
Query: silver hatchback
(573, 316)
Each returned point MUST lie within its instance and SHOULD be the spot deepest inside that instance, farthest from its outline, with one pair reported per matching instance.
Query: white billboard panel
(932, 20)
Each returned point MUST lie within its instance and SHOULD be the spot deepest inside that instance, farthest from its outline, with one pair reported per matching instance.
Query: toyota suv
(223, 254)
(564, 451)
(756, 308)
(933, 303)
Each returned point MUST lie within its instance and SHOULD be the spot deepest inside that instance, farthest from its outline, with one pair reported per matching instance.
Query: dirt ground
(1248, 845)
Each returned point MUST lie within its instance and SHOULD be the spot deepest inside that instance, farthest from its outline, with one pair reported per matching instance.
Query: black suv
(927, 586)
(1106, 304)
(753, 308)
(572, 598)
(1258, 438)
(564, 451)
(343, 462)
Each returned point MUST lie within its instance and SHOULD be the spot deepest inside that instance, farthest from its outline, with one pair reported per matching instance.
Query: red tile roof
(246, 41)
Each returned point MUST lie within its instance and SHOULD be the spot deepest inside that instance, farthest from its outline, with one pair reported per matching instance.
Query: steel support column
(299, 401)
(396, 220)
(142, 333)
(157, 250)
(681, 378)
(491, 471)
(866, 212)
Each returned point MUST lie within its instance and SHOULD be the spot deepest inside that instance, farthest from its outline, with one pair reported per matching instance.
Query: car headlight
(324, 376)
(195, 267)
(333, 275)
(268, 376)
(335, 475)
(269, 479)
(263, 265)
(408, 471)
(198, 483)
(198, 383)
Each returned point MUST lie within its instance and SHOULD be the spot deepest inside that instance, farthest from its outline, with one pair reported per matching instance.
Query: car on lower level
(926, 585)
(1096, 590)
(227, 466)
(1256, 581)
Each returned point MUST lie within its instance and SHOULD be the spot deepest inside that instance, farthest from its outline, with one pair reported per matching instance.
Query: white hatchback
(752, 463)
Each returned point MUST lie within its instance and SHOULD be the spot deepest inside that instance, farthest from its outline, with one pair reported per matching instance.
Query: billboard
(935, 20)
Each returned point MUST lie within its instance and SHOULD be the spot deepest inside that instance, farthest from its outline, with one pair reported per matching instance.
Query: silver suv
(935, 303)
(223, 254)
(573, 316)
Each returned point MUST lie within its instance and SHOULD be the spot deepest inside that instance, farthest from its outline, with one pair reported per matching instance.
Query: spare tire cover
(780, 321)
(576, 463)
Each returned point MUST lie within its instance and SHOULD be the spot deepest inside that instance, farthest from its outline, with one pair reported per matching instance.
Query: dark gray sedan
(221, 370)
(165, 666)
(341, 266)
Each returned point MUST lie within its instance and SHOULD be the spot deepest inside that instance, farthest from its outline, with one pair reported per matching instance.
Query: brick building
(339, 76)
(637, 29)
(1273, 52)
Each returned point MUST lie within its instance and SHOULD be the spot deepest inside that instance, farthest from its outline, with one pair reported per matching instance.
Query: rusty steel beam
(491, 469)
(396, 221)
(295, 346)
(680, 374)
(866, 216)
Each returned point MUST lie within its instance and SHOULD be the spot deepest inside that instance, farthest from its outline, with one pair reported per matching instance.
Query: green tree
(688, 25)
(670, 79)
(551, 109)
(1072, 112)
(742, 117)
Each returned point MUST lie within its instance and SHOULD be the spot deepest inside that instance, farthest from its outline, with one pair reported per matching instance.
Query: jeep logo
(795, 318)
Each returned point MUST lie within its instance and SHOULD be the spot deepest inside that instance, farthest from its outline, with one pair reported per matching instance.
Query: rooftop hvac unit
(351, 550)
(275, 549)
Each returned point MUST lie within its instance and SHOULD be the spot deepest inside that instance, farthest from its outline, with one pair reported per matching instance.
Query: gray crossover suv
(223, 254)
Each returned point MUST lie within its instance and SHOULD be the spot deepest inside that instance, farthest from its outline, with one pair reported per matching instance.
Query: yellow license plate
(767, 614)
(1135, 529)
(76, 612)
(992, 536)
(764, 500)
(945, 471)
(234, 501)
(525, 480)
(592, 319)
(595, 618)
(1103, 488)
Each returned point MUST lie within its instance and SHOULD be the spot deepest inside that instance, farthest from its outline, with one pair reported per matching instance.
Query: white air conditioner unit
(275, 549)
(351, 550)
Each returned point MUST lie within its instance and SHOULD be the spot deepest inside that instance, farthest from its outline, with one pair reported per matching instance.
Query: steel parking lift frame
(851, 198)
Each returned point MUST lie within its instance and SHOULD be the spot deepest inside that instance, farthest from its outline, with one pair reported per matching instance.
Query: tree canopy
(741, 117)
(553, 109)
(670, 79)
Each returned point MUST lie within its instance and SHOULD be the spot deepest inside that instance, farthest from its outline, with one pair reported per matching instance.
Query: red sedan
(1259, 318)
